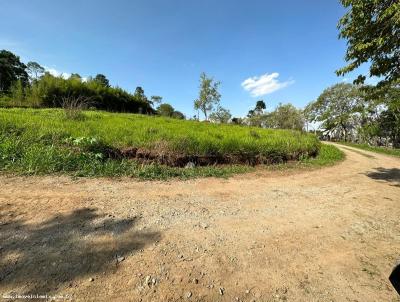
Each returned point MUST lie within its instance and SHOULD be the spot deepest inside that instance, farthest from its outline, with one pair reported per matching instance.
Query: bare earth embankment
(325, 235)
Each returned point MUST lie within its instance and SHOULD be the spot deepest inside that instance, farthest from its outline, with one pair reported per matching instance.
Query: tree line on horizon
(30, 85)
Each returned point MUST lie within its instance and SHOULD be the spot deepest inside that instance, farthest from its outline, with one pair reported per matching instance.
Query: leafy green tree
(372, 31)
(220, 115)
(102, 79)
(155, 99)
(35, 70)
(285, 116)
(260, 106)
(389, 119)
(76, 77)
(165, 110)
(178, 115)
(11, 70)
(256, 116)
(208, 95)
(335, 109)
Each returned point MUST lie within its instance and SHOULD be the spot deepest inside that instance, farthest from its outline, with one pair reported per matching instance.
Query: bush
(50, 91)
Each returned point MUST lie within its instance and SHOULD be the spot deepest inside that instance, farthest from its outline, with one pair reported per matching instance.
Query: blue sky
(279, 51)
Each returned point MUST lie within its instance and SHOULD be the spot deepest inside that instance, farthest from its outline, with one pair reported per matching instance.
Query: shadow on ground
(41, 258)
(389, 175)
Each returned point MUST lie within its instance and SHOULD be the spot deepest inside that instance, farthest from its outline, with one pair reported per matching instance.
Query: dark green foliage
(102, 79)
(50, 91)
(11, 71)
(372, 31)
(168, 111)
(178, 115)
(165, 110)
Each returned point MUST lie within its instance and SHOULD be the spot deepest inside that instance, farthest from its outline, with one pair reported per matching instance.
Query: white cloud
(57, 73)
(264, 84)
(64, 75)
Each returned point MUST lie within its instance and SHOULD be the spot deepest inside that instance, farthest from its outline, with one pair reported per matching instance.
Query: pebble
(120, 259)
(91, 279)
(195, 281)
(221, 291)
(147, 280)
(204, 225)
(188, 294)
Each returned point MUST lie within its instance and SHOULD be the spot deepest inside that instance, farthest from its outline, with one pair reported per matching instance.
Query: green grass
(34, 141)
(383, 150)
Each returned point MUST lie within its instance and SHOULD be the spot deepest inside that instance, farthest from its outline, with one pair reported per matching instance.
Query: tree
(155, 99)
(178, 115)
(372, 30)
(75, 76)
(237, 121)
(102, 79)
(285, 117)
(221, 115)
(260, 106)
(208, 95)
(139, 95)
(256, 116)
(165, 110)
(336, 108)
(35, 71)
(11, 70)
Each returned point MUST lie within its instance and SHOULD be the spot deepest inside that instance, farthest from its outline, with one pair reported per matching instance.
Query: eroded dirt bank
(326, 235)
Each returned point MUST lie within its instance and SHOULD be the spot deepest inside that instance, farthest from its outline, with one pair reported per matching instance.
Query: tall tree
(372, 31)
(220, 115)
(11, 70)
(155, 99)
(139, 94)
(35, 70)
(75, 76)
(165, 110)
(256, 116)
(260, 106)
(208, 95)
(335, 109)
(102, 79)
(285, 116)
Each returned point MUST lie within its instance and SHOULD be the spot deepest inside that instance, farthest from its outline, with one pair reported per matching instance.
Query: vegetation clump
(44, 139)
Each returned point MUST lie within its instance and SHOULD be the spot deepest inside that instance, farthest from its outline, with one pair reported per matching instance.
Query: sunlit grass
(34, 142)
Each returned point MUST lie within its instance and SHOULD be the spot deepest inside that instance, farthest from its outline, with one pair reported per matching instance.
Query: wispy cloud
(264, 84)
(57, 73)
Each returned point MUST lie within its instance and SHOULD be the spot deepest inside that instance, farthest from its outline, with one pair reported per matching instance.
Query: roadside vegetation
(99, 143)
(359, 112)
(383, 150)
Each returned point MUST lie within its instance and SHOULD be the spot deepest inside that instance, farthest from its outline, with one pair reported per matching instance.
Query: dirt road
(325, 235)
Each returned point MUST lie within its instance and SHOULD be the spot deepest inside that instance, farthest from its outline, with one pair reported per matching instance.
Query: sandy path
(325, 235)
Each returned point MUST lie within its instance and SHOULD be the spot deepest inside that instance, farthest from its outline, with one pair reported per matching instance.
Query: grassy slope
(383, 150)
(43, 141)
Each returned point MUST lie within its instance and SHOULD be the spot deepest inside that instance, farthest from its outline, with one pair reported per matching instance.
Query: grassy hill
(100, 143)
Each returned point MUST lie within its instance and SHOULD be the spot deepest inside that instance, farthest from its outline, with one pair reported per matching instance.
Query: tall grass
(35, 141)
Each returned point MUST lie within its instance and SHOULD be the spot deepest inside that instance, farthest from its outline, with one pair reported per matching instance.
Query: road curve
(331, 234)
